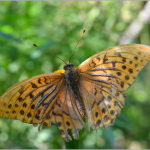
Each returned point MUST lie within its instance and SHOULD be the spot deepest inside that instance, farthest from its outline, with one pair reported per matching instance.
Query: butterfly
(94, 90)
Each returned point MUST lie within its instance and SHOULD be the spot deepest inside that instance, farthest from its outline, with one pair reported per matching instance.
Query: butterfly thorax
(71, 76)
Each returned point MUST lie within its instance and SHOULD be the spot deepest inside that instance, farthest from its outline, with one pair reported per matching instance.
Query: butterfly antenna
(77, 44)
(48, 53)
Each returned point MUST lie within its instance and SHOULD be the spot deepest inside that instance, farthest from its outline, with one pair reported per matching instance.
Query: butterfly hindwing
(66, 115)
(101, 103)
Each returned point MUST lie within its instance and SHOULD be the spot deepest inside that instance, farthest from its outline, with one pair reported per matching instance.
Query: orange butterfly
(95, 90)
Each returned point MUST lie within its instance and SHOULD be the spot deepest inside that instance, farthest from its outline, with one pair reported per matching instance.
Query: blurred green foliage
(56, 27)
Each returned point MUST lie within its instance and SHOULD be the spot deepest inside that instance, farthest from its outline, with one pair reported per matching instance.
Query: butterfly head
(69, 66)
(71, 76)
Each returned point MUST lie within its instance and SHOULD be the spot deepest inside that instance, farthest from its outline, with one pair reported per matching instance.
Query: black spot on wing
(118, 54)
(136, 58)
(68, 123)
(113, 64)
(34, 85)
(29, 115)
(16, 105)
(47, 116)
(106, 118)
(32, 106)
(123, 60)
(96, 114)
(122, 84)
(20, 99)
(123, 67)
(119, 73)
(24, 104)
(9, 106)
(112, 112)
(21, 90)
(39, 81)
(105, 59)
(37, 117)
(52, 123)
(130, 70)
(22, 112)
(98, 122)
(59, 124)
(98, 59)
(31, 96)
(45, 124)
(13, 111)
(103, 110)
(45, 80)
(93, 63)
(126, 77)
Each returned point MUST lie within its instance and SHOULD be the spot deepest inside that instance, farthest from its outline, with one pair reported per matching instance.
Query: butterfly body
(73, 81)
(95, 90)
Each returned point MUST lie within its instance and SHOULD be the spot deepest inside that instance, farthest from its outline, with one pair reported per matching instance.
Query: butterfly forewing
(23, 99)
(105, 76)
(117, 67)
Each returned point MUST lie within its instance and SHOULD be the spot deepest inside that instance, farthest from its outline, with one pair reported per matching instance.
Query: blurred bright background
(56, 27)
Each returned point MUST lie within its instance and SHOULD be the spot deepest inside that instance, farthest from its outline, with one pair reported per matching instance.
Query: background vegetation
(56, 27)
